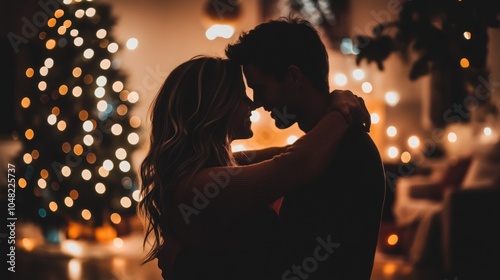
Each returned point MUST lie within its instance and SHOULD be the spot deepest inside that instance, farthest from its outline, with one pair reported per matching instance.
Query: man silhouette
(332, 224)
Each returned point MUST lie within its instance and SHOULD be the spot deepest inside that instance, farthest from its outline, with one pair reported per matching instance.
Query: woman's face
(240, 124)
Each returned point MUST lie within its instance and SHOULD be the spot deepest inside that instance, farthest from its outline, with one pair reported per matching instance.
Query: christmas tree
(76, 125)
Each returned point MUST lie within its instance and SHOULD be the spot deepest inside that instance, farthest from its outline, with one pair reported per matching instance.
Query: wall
(170, 32)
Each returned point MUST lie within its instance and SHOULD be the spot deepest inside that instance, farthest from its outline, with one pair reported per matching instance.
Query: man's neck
(314, 109)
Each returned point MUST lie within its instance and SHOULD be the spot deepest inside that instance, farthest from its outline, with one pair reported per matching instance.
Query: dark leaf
(419, 68)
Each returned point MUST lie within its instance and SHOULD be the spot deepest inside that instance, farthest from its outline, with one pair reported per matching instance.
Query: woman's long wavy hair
(189, 131)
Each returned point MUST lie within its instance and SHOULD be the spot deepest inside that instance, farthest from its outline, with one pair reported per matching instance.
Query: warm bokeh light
(49, 62)
(66, 171)
(467, 35)
(340, 79)
(68, 201)
(101, 81)
(66, 147)
(53, 206)
(22, 183)
(78, 149)
(366, 87)
(452, 137)
(63, 89)
(392, 239)
(136, 195)
(122, 109)
(255, 117)
(74, 194)
(51, 22)
(59, 13)
(115, 218)
(464, 63)
(392, 131)
(90, 12)
(117, 86)
(113, 47)
(405, 157)
(28, 243)
(116, 129)
(42, 85)
(392, 152)
(487, 131)
(73, 248)
(103, 172)
(389, 268)
(25, 102)
(108, 165)
(124, 166)
(375, 118)
(86, 174)
(291, 139)
(79, 13)
(121, 153)
(91, 158)
(135, 121)
(88, 126)
(413, 141)
(132, 43)
(238, 148)
(100, 188)
(86, 215)
(44, 173)
(29, 72)
(42, 184)
(392, 98)
(78, 41)
(219, 30)
(118, 242)
(133, 97)
(88, 53)
(105, 64)
(77, 91)
(61, 125)
(44, 71)
(133, 138)
(27, 158)
(101, 33)
(29, 134)
(125, 202)
(50, 44)
(358, 74)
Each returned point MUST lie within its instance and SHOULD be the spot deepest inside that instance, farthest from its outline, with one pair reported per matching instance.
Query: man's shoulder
(359, 144)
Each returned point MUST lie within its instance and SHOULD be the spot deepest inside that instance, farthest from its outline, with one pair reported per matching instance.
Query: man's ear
(294, 74)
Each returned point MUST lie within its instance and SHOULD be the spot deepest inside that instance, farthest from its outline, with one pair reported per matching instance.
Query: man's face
(274, 96)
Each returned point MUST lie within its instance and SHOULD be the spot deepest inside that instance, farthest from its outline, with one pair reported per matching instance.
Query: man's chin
(282, 125)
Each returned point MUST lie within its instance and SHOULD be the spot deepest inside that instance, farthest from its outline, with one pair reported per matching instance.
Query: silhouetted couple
(209, 210)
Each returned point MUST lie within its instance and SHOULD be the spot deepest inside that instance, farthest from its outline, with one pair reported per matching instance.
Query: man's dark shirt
(333, 223)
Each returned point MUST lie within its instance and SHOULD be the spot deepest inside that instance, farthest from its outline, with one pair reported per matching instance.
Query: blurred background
(79, 77)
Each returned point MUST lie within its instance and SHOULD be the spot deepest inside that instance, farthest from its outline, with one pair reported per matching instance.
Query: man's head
(275, 52)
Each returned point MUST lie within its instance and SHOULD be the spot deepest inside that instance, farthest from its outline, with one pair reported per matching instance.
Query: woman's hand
(352, 107)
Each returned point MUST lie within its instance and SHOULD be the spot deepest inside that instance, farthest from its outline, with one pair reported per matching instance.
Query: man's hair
(275, 45)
